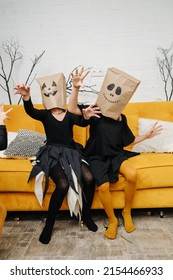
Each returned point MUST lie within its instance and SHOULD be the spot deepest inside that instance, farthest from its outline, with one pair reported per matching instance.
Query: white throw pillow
(161, 143)
(11, 136)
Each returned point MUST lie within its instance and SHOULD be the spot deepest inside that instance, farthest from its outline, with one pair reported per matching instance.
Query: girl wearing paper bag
(60, 158)
(109, 134)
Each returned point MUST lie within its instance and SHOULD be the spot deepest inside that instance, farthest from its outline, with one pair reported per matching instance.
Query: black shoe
(45, 236)
(88, 221)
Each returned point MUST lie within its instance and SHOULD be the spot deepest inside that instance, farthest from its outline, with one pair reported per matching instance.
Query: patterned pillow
(26, 144)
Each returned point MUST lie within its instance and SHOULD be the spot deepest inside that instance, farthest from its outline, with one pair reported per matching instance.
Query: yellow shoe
(128, 222)
(111, 232)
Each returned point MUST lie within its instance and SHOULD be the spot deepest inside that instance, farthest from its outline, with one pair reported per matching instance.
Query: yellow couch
(155, 170)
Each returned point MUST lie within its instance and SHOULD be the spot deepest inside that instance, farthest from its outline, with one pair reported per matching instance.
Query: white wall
(98, 33)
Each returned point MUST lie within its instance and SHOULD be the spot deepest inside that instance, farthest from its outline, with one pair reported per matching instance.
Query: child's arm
(91, 110)
(151, 133)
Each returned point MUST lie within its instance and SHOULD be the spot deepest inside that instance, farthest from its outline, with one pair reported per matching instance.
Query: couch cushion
(14, 174)
(154, 170)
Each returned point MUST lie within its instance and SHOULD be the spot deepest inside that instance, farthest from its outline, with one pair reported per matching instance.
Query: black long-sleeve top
(57, 132)
(105, 147)
(3, 137)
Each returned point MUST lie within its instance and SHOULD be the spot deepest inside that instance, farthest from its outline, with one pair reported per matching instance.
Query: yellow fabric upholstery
(155, 170)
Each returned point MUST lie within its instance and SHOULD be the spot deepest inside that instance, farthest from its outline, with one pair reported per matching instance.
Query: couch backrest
(18, 119)
(161, 110)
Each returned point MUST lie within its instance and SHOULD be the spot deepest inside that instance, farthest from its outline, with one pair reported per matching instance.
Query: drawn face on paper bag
(116, 91)
(53, 91)
(112, 93)
(49, 89)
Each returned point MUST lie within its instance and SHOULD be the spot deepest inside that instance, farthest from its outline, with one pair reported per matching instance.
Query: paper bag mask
(53, 91)
(116, 91)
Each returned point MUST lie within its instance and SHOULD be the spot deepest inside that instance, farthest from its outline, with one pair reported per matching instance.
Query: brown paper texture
(116, 91)
(53, 91)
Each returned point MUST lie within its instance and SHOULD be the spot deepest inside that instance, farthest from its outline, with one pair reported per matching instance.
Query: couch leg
(161, 214)
(44, 219)
(17, 219)
(149, 213)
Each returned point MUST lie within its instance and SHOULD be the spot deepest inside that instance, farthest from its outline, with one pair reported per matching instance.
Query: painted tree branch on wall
(34, 63)
(85, 88)
(165, 63)
(12, 49)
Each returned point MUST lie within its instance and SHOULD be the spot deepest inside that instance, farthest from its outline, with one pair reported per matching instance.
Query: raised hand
(22, 89)
(78, 77)
(4, 115)
(91, 111)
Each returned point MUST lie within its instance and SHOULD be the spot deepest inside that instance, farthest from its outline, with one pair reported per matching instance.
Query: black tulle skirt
(70, 159)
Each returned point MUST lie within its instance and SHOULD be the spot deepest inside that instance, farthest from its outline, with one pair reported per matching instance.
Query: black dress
(105, 147)
(3, 137)
(60, 148)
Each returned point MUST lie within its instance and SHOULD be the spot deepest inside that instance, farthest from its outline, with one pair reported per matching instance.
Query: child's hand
(4, 115)
(91, 111)
(78, 77)
(154, 130)
(22, 89)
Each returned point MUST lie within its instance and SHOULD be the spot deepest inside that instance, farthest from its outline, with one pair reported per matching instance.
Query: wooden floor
(153, 238)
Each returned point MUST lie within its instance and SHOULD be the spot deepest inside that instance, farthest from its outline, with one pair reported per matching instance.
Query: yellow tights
(3, 214)
(106, 200)
(129, 172)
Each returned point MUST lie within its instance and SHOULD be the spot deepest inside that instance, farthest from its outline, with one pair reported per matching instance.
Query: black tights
(58, 175)
(88, 187)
